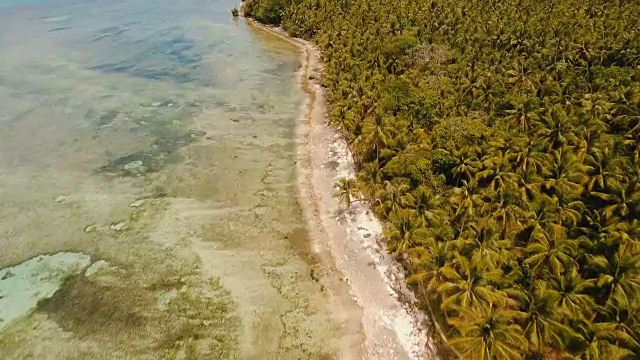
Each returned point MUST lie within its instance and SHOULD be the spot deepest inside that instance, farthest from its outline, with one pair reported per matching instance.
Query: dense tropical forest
(500, 140)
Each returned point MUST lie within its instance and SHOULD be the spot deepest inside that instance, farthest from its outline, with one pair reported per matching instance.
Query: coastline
(387, 325)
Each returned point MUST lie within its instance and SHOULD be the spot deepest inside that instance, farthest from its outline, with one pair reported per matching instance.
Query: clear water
(105, 103)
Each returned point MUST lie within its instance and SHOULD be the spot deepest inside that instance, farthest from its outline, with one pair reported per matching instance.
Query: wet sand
(393, 328)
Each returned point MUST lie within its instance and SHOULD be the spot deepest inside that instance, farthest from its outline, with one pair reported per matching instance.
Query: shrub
(266, 11)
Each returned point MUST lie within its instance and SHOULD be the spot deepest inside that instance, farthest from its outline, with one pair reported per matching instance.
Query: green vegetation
(267, 11)
(347, 191)
(235, 12)
(501, 142)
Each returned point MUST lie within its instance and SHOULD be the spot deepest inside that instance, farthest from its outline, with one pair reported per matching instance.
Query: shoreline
(389, 326)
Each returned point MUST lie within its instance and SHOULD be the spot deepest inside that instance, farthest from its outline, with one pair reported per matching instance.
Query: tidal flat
(156, 142)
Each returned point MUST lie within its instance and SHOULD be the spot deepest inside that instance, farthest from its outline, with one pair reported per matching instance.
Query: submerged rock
(60, 199)
(119, 226)
(135, 166)
(24, 285)
(137, 203)
(95, 267)
(91, 228)
(165, 298)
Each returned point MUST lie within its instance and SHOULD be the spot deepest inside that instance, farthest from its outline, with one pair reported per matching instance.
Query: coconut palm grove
(499, 141)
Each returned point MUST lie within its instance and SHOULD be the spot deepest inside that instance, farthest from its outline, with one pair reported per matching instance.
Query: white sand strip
(393, 328)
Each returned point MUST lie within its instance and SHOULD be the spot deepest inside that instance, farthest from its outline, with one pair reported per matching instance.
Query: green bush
(266, 11)
(443, 164)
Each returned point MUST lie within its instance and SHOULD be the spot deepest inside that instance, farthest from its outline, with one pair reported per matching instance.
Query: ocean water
(156, 137)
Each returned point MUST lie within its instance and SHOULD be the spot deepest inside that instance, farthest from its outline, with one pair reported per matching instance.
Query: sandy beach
(351, 241)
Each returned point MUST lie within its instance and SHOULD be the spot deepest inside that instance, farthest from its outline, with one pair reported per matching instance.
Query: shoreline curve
(389, 327)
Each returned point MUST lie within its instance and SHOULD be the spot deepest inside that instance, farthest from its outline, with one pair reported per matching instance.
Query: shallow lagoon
(157, 138)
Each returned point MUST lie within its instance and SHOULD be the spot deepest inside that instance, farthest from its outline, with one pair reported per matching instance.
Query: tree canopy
(500, 141)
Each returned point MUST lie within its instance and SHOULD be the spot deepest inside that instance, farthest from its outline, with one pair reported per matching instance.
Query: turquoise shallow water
(156, 137)
(8, 4)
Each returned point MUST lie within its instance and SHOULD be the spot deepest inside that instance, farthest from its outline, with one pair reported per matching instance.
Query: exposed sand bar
(393, 328)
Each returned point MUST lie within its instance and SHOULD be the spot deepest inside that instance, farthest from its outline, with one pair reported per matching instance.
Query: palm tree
(619, 277)
(621, 202)
(528, 157)
(468, 166)
(623, 320)
(571, 297)
(543, 213)
(470, 284)
(343, 119)
(371, 175)
(347, 191)
(488, 333)
(377, 132)
(394, 198)
(405, 231)
(427, 205)
(524, 114)
(495, 169)
(440, 232)
(604, 171)
(519, 77)
(506, 208)
(429, 263)
(557, 129)
(466, 199)
(482, 241)
(600, 339)
(566, 173)
(589, 142)
(488, 90)
(540, 321)
(551, 251)
(626, 234)
(570, 210)
(625, 111)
